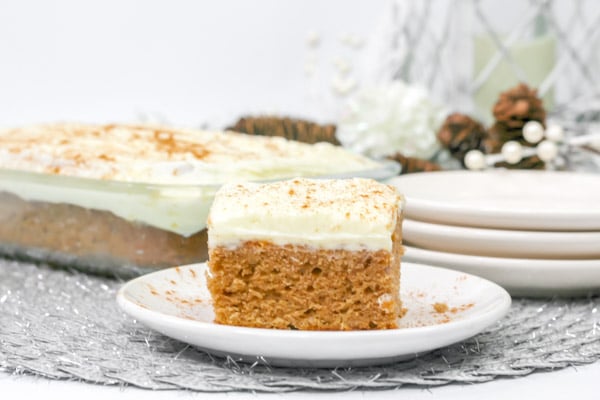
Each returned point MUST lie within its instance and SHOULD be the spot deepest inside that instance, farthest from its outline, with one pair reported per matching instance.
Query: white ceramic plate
(177, 303)
(521, 277)
(502, 242)
(534, 200)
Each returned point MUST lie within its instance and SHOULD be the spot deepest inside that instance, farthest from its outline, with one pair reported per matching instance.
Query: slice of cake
(306, 254)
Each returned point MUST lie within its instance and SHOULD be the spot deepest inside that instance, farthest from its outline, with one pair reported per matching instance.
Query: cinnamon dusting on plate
(440, 307)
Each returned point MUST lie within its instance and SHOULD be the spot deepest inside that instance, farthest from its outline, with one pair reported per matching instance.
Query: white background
(193, 62)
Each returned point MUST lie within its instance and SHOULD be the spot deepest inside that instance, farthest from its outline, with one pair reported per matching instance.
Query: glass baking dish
(111, 227)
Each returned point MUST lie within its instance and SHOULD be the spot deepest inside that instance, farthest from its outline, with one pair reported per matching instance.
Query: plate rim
(552, 262)
(420, 208)
(528, 284)
(564, 244)
(483, 319)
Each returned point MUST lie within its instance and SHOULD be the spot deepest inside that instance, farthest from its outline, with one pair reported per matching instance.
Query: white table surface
(584, 381)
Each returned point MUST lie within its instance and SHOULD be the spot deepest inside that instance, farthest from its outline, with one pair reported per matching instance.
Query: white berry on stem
(533, 131)
(475, 160)
(547, 150)
(512, 152)
(555, 133)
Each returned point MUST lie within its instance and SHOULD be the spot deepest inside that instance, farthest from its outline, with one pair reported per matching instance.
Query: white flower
(394, 118)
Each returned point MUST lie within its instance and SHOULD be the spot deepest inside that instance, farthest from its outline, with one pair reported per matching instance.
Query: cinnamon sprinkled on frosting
(162, 155)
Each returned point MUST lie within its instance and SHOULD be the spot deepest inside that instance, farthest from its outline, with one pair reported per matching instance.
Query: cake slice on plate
(306, 254)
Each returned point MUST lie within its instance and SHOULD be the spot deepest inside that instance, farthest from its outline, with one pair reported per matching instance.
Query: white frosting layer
(330, 214)
(165, 157)
(154, 154)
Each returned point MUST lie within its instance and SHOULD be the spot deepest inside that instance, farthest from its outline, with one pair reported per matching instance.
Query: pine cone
(495, 138)
(460, 134)
(527, 163)
(289, 128)
(517, 106)
(512, 111)
(412, 164)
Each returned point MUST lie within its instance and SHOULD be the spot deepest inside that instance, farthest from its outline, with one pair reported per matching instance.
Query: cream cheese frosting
(351, 214)
(173, 172)
(154, 154)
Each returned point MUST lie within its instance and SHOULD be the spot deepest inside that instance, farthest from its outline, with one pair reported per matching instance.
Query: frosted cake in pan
(105, 196)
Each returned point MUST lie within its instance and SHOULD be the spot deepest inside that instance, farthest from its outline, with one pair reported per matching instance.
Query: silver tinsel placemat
(66, 325)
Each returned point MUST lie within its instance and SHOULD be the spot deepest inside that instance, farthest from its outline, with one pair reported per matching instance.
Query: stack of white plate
(537, 233)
